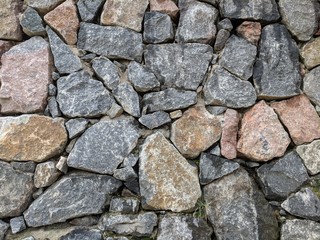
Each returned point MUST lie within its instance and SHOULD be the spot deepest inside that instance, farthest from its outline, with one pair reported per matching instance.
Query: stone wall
(159, 119)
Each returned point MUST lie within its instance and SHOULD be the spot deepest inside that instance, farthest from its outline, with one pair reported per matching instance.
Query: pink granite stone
(250, 31)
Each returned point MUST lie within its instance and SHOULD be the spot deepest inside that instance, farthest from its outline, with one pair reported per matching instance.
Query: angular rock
(53, 107)
(300, 229)
(31, 137)
(3, 229)
(43, 6)
(104, 146)
(310, 154)
(282, 177)
(155, 119)
(16, 190)
(17, 224)
(130, 161)
(9, 25)
(27, 167)
(133, 187)
(83, 234)
(225, 89)
(276, 72)
(179, 65)
(221, 39)
(310, 53)
(300, 118)
(106, 71)
(5, 46)
(169, 100)
(72, 196)
(62, 165)
(88, 9)
(261, 135)
(176, 114)
(125, 174)
(25, 76)
(172, 227)
(167, 180)
(76, 126)
(124, 205)
(225, 24)
(32, 23)
(114, 42)
(195, 131)
(250, 31)
(164, 6)
(46, 174)
(311, 85)
(64, 59)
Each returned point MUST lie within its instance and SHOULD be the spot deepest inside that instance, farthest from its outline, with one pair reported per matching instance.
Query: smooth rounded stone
(9, 25)
(310, 155)
(16, 190)
(158, 28)
(125, 174)
(310, 53)
(142, 78)
(89, 9)
(62, 165)
(17, 224)
(53, 107)
(216, 110)
(195, 131)
(76, 127)
(106, 71)
(281, 177)
(27, 167)
(300, 118)
(31, 137)
(155, 119)
(72, 196)
(196, 23)
(300, 229)
(169, 100)
(25, 76)
(261, 135)
(114, 42)
(164, 6)
(238, 210)
(176, 114)
(300, 17)
(276, 73)
(225, 89)
(251, 31)
(3, 229)
(104, 145)
(179, 65)
(124, 205)
(167, 180)
(46, 174)
(32, 23)
(43, 6)
(174, 226)
(83, 234)
(140, 225)
(311, 85)
(221, 39)
(225, 24)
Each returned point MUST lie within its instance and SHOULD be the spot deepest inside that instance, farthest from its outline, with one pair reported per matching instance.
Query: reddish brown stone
(261, 135)
(228, 140)
(5, 46)
(164, 6)
(64, 19)
(250, 31)
(300, 118)
(9, 23)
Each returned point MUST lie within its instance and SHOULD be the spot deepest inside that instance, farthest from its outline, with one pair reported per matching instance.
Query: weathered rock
(25, 76)
(282, 177)
(72, 196)
(5, 46)
(106, 71)
(179, 65)
(53, 107)
(300, 17)
(195, 131)
(31, 137)
(130, 161)
(43, 6)
(300, 118)
(167, 180)
(172, 227)
(237, 209)
(17, 224)
(225, 24)
(310, 53)
(261, 136)
(3, 229)
(250, 31)
(62, 165)
(104, 146)
(164, 6)
(27, 167)
(46, 174)
(16, 190)
(125, 174)
(83, 234)
(114, 42)
(225, 89)
(310, 154)
(176, 114)
(300, 229)
(90, 220)
(9, 25)
(133, 186)
(32, 23)
(155, 119)
(221, 39)
(76, 127)
(277, 70)
(311, 85)
(88, 9)
(169, 100)
(124, 205)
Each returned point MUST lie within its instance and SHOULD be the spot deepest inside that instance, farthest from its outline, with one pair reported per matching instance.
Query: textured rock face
(250, 31)
(83, 234)
(3, 228)
(300, 229)
(124, 205)
(76, 126)
(195, 131)
(164, 6)
(9, 24)
(5, 46)
(261, 135)
(43, 6)
(311, 85)
(167, 180)
(106, 71)
(310, 53)
(88, 9)
(221, 39)
(310, 154)
(31, 137)
(25, 76)
(155, 119)
(31, 23)
(46, 174)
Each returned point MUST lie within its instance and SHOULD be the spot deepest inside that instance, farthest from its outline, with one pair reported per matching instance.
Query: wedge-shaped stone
(311, 85)
(310, 154)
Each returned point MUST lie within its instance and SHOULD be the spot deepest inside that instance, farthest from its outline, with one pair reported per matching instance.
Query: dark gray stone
(27, 167)
(221, 39)
(55, 76)
(179, 65)
(31, 23)
(297, 229)
(212, 2)
(276, 73)
(64, 59)
(124, 205)
(52, 89)
(133, 186)
(238, 57)
(3, 229)
(53, 107)
(72, 196)
(104, 145)
(112, 42)
(225, 89)
(125, 174)
(225, 24)
(155, 119)
(76, 126)
(169, 100)
(17, 224)
(89, 9)
(83, 234)
(85, 221)
(311, 85)
(282, 177)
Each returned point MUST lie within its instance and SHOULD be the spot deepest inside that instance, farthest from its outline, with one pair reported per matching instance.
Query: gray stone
(140, 225)
(276, 72)
(176, 114)
(238, 57)
(46, 174)
(216, 110)
(62, 165)
(125, 174)
(81, 96)
(89, 9)
(216, 151)
(16, 190)
(88, 57)
(282, 177)
(64, 59)
(85, 221)
(53, 107)
(71, 144)
(43, 6)
(158, 28)
(83, 234)
(133, 186)
(214, 167)
(264, 10)
(179, 65)
(75, 195)
(52, 89)
(109, 41)
(115, 110)
(225, 89)
(311, 85)
(225, 24)
(300, 17)
(169, 100)
(104, 146)
(55, 76)
(212, 2)
(297, 229)
(124, 205)
(304, 204)
(310, 155)
(17, 224)
(29, 238)
(155, 119)
(238, 210)
(3, 229)
(221, 39)
(32, 23)
(27, 167)
(76, 127)
(130, 161)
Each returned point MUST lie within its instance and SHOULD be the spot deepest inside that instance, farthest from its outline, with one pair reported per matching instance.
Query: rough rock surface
(46, 174)
(167, 180)
(124, 205)
(311, 85)
(250, 31)
(43, 6)
(83, 234)
(310, 53)
(88, 9)
(300, 229)
(164, 6)
(155, 119)
(76, 126)
(3, 228)
(32, 23)
(106, 71)
(17, 224)
(9, 25)
(126, 174)
(5, 46)
(221, 39)
(310, 154)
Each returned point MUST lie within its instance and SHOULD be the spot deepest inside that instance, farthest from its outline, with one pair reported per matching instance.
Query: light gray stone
(125, 174)
(83, 234)
(176, 114)
(310, 155)
(46, 174)
(53, 107)
(216, 110)
(225, 24)
(62, 165)
(17, 224)
(43, 6)
(216, 151)
(76, 127)
(3, 229)
(29, 238)
(27, 167)
(155, 119)
(52, 89)
(311, 85)
(32, 23)
(297, 229)
(221, 39)
(124, 205)
(89, 9)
